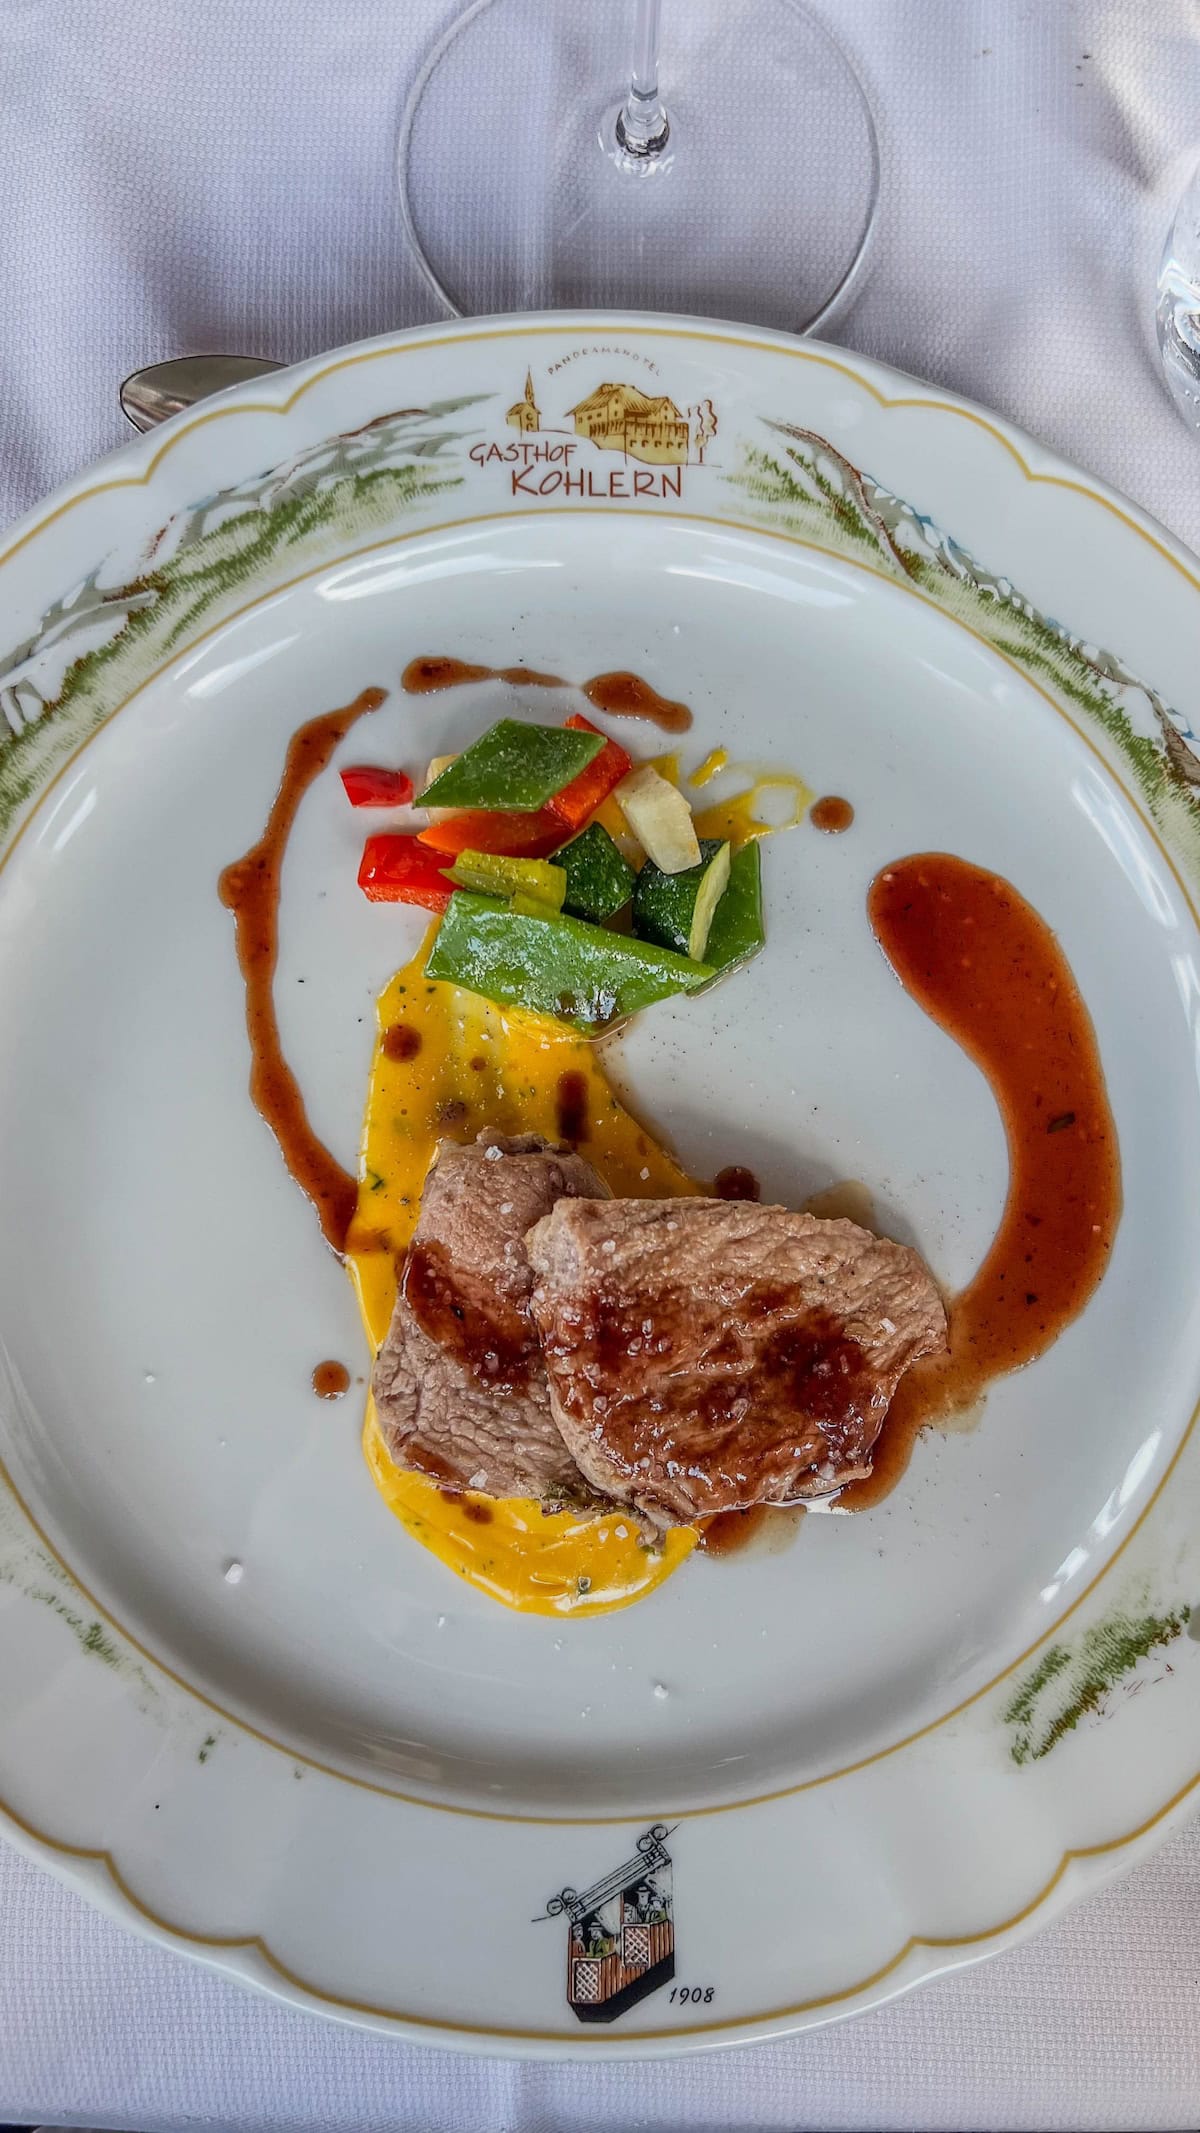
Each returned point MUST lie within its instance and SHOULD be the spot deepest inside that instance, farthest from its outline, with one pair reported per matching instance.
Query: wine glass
(1177, 314)
(543, 162)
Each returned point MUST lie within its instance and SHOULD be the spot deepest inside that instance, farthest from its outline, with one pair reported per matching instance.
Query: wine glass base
(517, 197)
(615, 150)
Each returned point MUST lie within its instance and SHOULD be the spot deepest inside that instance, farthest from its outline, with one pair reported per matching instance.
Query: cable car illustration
(621, 1932)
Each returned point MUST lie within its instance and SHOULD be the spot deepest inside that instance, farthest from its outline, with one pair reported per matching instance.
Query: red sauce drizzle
(989, 971)
(488, 1335)
(572, 1103)
(330, 1381)
(729, 1531)
(832, 814)
(422, 677)
(249, 888)
(735, 1182)
(621, 694)
(625, 695)
(401, 1041)
(433, 1466)
(480, 1514)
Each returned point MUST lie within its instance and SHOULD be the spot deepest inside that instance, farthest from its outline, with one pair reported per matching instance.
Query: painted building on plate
(619, 418)
(525, 415)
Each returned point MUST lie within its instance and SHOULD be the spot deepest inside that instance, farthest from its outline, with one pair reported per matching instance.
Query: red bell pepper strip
(401, 870)
(578, 801)
(367, 785)
(517, 836)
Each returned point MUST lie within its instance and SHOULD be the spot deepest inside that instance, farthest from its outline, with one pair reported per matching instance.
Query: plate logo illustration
(620, 1932)
(567, 452)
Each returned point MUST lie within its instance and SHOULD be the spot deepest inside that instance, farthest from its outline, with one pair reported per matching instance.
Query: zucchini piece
(660, 819)
(535, 881)
(599, 880)
(514, 767)
(677, 910)
(737, 931)
(554, 966)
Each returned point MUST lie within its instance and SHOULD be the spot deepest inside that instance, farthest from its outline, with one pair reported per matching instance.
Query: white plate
(911, 1735)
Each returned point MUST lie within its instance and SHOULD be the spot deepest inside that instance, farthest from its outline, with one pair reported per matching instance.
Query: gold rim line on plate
(784, 1791)
(932, 1943)
(461, 338)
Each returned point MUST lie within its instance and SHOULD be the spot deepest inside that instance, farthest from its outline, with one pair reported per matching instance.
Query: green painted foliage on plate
(213, 555)
(1074, 1678)
(807, 488)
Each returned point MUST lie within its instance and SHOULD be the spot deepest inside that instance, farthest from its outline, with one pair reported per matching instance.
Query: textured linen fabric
(190, 174)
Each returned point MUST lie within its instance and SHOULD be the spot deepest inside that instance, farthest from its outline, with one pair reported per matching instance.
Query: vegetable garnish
(368, 785)
(531, 836)
(660, 818)
(555, 966)
(599, 880)
(677, 910)
(562, 835)
(737, 931)
(534, 881)
(578, 801)
(515, 767)
(396, 869)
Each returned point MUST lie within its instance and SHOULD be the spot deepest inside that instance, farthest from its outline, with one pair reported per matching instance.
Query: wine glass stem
(642, 124)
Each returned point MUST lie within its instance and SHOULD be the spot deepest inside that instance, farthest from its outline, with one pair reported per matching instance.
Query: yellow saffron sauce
(477, 1066)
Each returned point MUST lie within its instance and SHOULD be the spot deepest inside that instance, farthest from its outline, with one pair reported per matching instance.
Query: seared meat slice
(459, 1383)
(706, 1355)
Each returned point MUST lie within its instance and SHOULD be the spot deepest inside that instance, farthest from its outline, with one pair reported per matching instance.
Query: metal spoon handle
(160, 390)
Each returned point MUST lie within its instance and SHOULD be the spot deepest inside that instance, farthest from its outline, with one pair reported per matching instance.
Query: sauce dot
(401, 1042)
(572, 1105)
(832, 814)
(625, 695)
(330, 1380)
(736, 1183)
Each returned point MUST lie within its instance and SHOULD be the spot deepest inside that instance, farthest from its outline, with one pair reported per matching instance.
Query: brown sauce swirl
(730, 1531)
(989, 971)
(249, 887)
(625, 695)
(621, 694)
(422, 677)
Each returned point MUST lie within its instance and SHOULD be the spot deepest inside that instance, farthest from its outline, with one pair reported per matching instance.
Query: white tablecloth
(186, 174)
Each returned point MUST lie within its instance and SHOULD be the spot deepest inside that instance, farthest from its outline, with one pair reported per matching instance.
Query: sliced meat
(706, 1355)
(459, 1384)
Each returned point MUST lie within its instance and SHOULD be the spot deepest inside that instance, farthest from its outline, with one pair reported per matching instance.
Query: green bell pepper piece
(554, 966)
(513, 767)
(599, 878)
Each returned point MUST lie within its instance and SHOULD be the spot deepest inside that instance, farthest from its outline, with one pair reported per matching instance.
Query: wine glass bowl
(533, 125)
(1177, 313)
